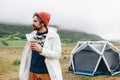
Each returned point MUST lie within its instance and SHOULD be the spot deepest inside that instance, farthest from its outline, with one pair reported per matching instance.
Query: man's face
(36, 25)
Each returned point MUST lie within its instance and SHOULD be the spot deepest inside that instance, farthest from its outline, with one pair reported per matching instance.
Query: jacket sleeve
(54, 51)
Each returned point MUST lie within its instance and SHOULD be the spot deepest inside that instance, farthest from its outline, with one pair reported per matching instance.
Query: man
(40, 58)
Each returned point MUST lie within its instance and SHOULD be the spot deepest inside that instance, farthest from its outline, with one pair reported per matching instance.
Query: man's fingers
(33, 48)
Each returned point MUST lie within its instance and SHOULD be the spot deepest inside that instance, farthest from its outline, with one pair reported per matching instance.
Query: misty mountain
(66, 36)
(74, 36)
(8, 29)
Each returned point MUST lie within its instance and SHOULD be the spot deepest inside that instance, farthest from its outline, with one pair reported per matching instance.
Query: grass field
(16, 43)
(11, 55)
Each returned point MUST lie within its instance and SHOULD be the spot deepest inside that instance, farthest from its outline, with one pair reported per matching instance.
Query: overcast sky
(101, 17)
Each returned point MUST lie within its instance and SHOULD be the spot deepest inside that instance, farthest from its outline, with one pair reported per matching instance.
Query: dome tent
(95, 57)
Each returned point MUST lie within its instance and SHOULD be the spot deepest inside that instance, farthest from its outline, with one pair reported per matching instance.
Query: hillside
(6, 29)
(65, 35)
(74, 36)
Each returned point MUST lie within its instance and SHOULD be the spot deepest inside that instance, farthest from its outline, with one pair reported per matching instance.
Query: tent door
(102, 68)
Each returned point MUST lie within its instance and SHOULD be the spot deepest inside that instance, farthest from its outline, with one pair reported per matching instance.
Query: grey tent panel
(112, 58)
(86, 60)
(98, 46)
(107, 47)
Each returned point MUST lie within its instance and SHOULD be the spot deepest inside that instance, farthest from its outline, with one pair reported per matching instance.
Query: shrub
(65, 50)
(85, 78)
(5, 43)
(16, 62)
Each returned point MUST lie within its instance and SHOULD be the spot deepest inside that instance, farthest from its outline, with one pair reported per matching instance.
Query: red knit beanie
(45, 16)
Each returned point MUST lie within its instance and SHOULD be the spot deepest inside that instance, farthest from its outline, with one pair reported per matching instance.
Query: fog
(101, 17)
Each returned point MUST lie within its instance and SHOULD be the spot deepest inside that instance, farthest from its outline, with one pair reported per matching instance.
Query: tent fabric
(95, 57)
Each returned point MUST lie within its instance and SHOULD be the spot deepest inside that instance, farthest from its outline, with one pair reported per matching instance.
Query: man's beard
(36, 27)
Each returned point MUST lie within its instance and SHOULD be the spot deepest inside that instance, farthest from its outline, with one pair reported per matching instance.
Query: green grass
(16, 42)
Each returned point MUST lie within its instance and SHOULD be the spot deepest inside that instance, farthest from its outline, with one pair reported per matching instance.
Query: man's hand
(35, 46)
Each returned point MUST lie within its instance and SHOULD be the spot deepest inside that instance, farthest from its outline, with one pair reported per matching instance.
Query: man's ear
(42, 24)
